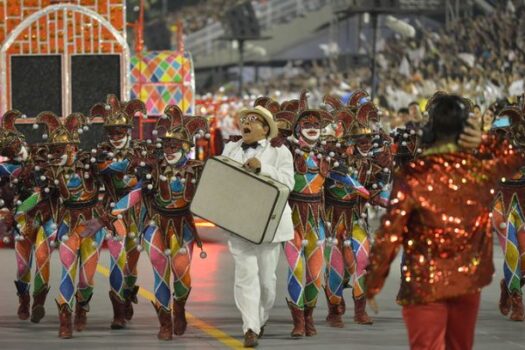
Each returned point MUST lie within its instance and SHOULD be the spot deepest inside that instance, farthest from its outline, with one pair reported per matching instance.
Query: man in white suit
(256, 264)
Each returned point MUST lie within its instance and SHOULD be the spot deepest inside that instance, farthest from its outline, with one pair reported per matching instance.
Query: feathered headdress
(175, 125)
(114, 113)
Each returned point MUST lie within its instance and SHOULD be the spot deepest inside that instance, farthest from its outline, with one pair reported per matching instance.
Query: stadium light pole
(241, 66)
(374, 18)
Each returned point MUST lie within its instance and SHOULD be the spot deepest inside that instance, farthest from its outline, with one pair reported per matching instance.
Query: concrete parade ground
(215, 323)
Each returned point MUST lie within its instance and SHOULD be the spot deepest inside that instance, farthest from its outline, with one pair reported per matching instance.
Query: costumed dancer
(509, 224)
(256, 264)
(26, 220)
(169, 179)
(439, 213)
(71, 173)
(304, 252)
(30, 211)
(347, 250)
(117, 158)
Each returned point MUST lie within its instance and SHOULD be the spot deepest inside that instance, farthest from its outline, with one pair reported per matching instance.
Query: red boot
(504, 299)
(66, 328)
(309, 326)
(119, 320)
(166, 326)
(360, 315)
(39, 299)
(298, 320)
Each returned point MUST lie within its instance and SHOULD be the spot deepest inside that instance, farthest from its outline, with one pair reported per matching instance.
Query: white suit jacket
(277, 163)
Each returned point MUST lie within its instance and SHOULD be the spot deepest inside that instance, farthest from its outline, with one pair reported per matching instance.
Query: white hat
(266, 115)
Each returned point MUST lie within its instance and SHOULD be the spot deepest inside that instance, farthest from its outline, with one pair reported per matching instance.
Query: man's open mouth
(246, 130)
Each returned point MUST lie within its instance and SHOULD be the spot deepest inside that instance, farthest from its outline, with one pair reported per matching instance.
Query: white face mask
(63, 160)
(311, 135)
(173, 158)
(364, 154)
(120, 143)
(22, 155)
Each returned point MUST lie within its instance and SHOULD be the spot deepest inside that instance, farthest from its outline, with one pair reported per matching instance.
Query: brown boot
(64, 314)
(309, 321)
(250, 339)
(23, 306)
(335, 314)
(166, 327)
(504, 299)
(119, 321)
(131, 298)
(517, 313)
(23, 300)
(360, 315)
(179, 317)
(39, 299)
(298, 320)
(81, 310)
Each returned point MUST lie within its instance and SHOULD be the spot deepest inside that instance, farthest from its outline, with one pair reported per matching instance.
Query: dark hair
(413, 103)
(448, 115)
(403, 110)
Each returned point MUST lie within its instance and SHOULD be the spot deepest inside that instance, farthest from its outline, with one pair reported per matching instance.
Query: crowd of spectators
(482, 58)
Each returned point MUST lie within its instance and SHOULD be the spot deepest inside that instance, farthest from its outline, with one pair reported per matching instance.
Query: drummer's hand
(253, 164)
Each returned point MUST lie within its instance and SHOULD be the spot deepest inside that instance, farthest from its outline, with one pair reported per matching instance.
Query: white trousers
(255, 280)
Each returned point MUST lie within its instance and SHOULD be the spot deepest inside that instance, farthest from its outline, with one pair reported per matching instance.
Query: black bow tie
(245, 146)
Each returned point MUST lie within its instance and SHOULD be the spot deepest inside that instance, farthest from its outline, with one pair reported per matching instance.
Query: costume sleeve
(8, 169)
(349, 181)
(283, 170)
(110, 167)
(389, 236)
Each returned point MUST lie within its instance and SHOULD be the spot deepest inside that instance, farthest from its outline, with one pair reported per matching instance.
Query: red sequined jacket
(440, 214)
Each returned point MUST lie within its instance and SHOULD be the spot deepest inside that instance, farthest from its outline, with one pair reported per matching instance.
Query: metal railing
(407, 5)
(270, 13)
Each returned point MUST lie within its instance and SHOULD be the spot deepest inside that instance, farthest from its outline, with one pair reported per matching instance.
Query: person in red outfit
(440, 214)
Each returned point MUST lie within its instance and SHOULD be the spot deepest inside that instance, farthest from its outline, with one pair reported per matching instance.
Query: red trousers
(442, 325)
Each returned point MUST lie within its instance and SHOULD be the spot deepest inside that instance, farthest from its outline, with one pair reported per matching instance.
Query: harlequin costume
(71, 174)
(117, 158)
(509, 225)
(30, 210)
(439, 213)
(170, 234)
(304, 253)
(347, 250)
